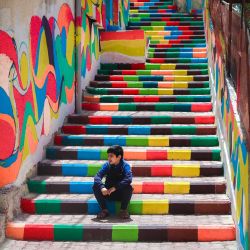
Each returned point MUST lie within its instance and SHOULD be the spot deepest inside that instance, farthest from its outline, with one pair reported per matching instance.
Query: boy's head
(115, 154)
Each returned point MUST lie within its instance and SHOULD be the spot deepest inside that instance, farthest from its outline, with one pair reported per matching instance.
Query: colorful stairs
(161, 113)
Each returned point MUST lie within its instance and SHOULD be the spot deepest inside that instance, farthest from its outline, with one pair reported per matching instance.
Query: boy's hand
(111, 190)
(105, 191)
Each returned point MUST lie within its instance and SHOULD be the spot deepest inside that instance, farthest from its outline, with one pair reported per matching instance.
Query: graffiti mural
(36, 78)
(236, 144)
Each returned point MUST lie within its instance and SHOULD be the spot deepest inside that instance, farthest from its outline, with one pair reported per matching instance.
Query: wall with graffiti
(236, 145)
(37, 81)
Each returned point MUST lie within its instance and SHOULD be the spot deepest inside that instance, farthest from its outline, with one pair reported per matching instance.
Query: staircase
(161, 113)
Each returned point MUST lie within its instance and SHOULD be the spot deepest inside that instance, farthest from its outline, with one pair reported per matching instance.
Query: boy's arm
(100, 174)
(127, 177)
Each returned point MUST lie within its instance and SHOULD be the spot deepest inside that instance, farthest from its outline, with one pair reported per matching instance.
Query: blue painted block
(139, 130)
(198, 60)
(186, 54)
(93, 207)
(98, 130)
(115, 140)
(150, 84)
(72, 140)
(51, 153)
(121, 120)
(81, 187)
(74, 169)
(88, 154)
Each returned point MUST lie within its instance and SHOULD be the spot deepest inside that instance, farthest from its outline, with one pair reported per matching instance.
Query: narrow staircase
(161, 113)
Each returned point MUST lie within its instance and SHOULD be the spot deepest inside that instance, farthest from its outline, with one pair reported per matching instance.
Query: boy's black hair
(116, 150)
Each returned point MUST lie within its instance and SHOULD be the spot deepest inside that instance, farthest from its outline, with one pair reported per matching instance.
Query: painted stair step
(148, 15)
(139, 130)
(153, 77)
(139, 168)
(178, 55)
(155, 72)
(151, 3)
(153, 228)
(148, 91)
(141, 205)
(143, 99)
(150, 66)
(149, 8)
(152, 141)
(133, 11)
(141, 185)
(166, 23)
(176, 37)
(165, 18)
(149, 84)
(184, 45)
(174, 107)
(140, 118)
(194, 49)
(176, 41)
(166, 28)
(135, 153)
(177, 60)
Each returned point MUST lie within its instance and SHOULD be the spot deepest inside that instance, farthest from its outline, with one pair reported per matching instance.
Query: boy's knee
(95, 188)
(128, 189)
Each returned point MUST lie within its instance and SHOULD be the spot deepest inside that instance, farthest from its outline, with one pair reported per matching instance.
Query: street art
(36, 78)
(236, 144)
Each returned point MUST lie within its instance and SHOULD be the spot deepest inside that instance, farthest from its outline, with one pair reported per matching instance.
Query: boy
(117, 185)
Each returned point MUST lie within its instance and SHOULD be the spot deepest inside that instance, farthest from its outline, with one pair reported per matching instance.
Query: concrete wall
(37, 80)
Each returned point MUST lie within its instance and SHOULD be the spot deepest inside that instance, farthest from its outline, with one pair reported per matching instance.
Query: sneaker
(124, 214)
(103, 214)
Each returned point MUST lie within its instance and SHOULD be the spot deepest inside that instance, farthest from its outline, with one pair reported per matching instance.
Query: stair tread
(153, 220)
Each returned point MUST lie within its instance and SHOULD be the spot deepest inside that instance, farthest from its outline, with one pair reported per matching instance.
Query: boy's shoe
(103, 214)
(124, 214)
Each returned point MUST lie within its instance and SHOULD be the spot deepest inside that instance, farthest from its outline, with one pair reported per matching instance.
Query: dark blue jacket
(117, 176)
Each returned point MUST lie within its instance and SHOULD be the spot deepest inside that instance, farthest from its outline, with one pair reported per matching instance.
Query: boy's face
(113, 160)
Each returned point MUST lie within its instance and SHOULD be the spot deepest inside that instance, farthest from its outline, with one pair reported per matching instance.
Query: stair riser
(204, 107)
(155, 73)
(166, 23)
(152, 77)
(155, 66)
(135, 141)
(126, 120)
(168, 154)
(136, 207)
(82, 170)
(122, 233)
(148, 91)
(140, 188)
(177, 60)
(140, 130)
(166, 28)
(150, 99)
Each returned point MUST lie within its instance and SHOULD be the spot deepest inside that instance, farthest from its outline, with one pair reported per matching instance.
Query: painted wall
(37, 80)
(236, 145)
(123, 47)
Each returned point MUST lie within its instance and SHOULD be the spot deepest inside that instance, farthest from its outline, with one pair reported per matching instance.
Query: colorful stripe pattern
(140, 130)
(123, 232)
(138, 207)
(82, 153)
(142, 141)
(77, 187)
(72, 168)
